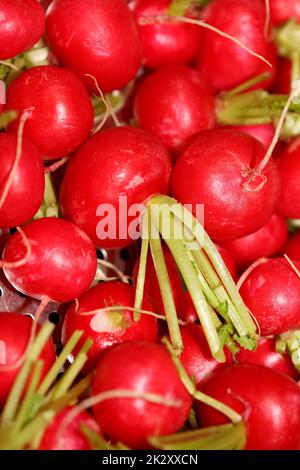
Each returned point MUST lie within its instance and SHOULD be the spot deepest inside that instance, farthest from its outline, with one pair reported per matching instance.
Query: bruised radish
(268, 241)
(22, 24)
(145, 368)
(262, 132)
(108, 328)
(266, 355)
(196, 356)
(61, 263)
(165, 42)
(174, 103)
(289, 171)
(15, 330)
(272, 293)
(268, 401)
(109, 179)
(73, 437)
(21, 202)
(292, 247)
(96, 37)
(218, 170)
(225, 63)
(62, 113)
(283, 10)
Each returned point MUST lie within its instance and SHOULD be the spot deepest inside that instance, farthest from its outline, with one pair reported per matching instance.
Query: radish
(174, 103)
(146, 368)
(96, 37)
(282, 11)
(59, 264)
(196, 356)
(221, 169)
(73, 437)
(22, 25)
(282, 82)
(268, 401)
(20, 203)
(268, 241)
(108, 327)
(226, 64)
(263, 132)
(272, 293)
(62, 115)
(289, 171)
(165, 43)
(292, 247)
(266, 355)
(14, 336)
(131, 163)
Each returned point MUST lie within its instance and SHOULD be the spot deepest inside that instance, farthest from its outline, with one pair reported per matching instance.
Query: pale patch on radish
(3, 357)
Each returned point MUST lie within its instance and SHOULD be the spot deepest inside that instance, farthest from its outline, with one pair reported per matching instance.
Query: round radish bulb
(73, 437)
(272, 293)
(165, 42)
(62, 112)
(174, 103)
(117, 169)
(225, 63)
(196, 356)
(268, 401)
(215, 170)
(96, 37)
(109, 328)
(145, 368)
(283, 10)
(266, 355)
(265, 242)
(292, 247)
(289, 171)
(15, 330)
(282, 82)
(262, 132)
(21, 202)
(22, 25)
(62, 263)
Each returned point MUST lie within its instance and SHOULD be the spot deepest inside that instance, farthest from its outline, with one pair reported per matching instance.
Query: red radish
(118, 162)
(196, 356)
(145, 368)
(262, 132)
(175, 104)
(15, 330)
(21, 202)
(165, 43)
(225, 63)
(95, 37)
(61, 265)
(272, 293)
(22, 25)
(266, 355)
(62, 115)
(292, 247)
(289, 171)
(282, 82)
(267, 241)
(268, 401)
(283, 10)
(218, 169)
(107, 329)
(73, 437)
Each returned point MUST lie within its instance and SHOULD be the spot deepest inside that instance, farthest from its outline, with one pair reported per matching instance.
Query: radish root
(24, 117)
(105, 102)
(55, 166)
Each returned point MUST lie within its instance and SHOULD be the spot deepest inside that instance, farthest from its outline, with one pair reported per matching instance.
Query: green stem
(166, 293)
(139, 292)
(246, 85)
(50, 205)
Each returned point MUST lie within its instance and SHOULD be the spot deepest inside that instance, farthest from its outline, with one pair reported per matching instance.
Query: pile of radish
(150, 188)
